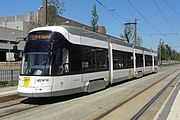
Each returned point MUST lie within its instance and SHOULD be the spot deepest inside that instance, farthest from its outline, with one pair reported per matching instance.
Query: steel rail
(18, 111)
(126, 101)
(14, 111)
(6, 106)
(140, 112)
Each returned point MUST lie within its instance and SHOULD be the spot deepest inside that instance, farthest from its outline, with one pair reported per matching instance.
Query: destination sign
(39, 36)
(43, 36)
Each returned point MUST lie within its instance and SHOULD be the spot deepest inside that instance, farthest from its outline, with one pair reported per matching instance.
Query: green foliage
(54, 9)
(165, 52)
(139, 41)
(8, 83)
(95, 18)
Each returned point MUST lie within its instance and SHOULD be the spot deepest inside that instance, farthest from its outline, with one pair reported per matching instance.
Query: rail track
(146, 106)
(140, 112)
(26, 105)
(16, 107)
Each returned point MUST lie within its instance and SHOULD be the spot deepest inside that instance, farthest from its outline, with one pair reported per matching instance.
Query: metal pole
(134, 49)
(134, 60)
(12, 77)
(44, 13)
(110, 52)
(160, 53)
(135, 31)
(9, 54)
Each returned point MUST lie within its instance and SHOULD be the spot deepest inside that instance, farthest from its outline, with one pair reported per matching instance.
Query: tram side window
(117, 60)
(139, 60)
(155, 60)
(89, 62)
(101, 59)
(122, 59)
(148, 60)
(75, 59)
(128, 59)
(57, 67)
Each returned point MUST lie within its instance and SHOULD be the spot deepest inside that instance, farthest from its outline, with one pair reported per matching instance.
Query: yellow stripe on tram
(26, 81)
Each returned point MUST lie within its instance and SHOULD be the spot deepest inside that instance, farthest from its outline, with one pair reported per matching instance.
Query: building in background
(66, 21)
(18, 22)
(12, 27)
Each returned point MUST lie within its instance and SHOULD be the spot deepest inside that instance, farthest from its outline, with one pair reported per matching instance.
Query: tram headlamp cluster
(42, 80)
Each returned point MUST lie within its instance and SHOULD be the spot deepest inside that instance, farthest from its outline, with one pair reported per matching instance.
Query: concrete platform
(6, 91)
(171, 108)
(174, 113)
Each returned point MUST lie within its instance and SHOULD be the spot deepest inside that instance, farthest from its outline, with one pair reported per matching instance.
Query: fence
(9, 77)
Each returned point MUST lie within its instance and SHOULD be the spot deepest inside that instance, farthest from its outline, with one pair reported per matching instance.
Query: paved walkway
(170, 110)
(6, 91)
(173, 113)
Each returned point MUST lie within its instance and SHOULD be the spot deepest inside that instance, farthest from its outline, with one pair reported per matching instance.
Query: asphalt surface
(76, 107)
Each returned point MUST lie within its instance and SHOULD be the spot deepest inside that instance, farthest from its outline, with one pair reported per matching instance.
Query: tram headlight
(42, 80)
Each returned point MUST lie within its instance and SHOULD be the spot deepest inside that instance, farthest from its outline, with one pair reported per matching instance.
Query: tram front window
(35, 63)
(36, 60)
(45, 53)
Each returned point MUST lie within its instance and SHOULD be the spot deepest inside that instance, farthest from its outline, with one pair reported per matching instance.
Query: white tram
(62, 60)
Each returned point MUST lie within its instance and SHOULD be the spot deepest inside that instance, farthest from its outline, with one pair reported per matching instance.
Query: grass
(8, 83)
(167, 65)
(9, 98)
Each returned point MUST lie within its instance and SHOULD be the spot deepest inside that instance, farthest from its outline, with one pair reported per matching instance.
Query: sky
(156, 19)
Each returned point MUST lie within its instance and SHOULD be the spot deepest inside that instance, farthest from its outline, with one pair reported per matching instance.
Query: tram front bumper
(34, 92)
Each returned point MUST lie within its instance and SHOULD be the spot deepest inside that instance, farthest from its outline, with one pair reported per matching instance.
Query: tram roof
(65, 30)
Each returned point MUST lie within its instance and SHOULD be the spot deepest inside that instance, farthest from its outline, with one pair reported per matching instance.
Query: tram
(63, 60)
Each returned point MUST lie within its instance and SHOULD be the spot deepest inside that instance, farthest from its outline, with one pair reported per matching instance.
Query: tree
(95, 18)
(166, 53)
(54, 10)
(129, 34)
(33, 23)
(162, 53)
(139, 41)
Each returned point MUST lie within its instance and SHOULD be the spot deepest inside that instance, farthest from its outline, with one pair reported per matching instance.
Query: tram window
(89, 59)
(148, 60)
(155, 60)
(75, 59)
(57, 59)
(127, 59)
(139, 60)
(101, 58)
(117, 60)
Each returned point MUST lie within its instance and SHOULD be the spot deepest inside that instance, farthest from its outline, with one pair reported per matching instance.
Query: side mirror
(18, 56)
(15, 48)
(50, 53)
(66, 67)
(50, 49)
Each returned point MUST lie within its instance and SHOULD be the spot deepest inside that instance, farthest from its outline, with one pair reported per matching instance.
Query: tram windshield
(43, 54)
(35, 63)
